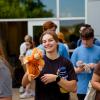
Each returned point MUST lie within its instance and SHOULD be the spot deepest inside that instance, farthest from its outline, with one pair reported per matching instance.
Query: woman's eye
(43, 42)
(51, 40)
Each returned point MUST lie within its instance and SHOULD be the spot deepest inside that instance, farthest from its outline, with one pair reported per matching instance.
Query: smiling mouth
(48, 46)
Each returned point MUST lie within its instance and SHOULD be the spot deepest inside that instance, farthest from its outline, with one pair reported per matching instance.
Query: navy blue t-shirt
(51, 91)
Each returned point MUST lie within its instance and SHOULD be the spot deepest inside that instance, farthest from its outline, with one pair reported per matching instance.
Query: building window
(70, 8)
(70, 29)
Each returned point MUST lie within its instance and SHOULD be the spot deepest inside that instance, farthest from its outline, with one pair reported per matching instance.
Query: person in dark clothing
(58, 78)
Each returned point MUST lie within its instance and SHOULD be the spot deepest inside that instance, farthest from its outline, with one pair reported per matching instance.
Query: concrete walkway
(16, 95)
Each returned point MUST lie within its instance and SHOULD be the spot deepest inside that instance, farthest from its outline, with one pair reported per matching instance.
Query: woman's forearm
(69, 86)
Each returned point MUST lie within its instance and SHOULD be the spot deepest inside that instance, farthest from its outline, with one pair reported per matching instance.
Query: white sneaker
(26, 95)
(33, 93)
(21, 89)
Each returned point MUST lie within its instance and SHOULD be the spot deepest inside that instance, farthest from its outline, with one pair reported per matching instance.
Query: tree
(23, 9)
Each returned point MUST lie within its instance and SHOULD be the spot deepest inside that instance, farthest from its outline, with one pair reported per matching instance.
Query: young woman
(58, 77)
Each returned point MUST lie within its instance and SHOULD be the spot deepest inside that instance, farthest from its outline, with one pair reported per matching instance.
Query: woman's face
(50, 45)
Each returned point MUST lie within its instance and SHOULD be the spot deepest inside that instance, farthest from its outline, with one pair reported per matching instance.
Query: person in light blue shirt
(84, 59)
(51, 26)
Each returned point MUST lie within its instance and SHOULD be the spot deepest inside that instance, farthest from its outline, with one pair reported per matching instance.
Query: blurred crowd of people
(62, 73)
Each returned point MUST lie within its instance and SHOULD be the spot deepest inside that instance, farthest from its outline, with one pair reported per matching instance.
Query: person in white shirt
(23, 50)
(30, 87)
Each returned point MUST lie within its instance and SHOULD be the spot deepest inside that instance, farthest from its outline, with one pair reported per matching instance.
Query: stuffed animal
(34, 63)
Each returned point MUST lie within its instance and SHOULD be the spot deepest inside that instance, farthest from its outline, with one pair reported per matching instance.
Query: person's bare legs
(29, 87)
(25, 80)
(27, 84)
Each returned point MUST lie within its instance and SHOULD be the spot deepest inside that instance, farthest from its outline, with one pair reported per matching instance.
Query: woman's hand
(48, 78)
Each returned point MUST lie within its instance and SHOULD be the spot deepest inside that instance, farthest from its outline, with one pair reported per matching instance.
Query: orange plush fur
(34, 63)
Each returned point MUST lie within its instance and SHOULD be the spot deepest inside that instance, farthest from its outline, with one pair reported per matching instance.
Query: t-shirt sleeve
(74, 57)
(71, 72)
(22, 49)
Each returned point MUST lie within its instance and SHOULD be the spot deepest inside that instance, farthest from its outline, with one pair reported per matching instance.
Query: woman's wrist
(58, 78)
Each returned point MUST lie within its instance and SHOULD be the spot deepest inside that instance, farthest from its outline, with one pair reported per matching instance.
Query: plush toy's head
(37, 53)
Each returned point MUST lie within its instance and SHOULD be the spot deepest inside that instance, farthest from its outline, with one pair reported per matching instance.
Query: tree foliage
(23, 9)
